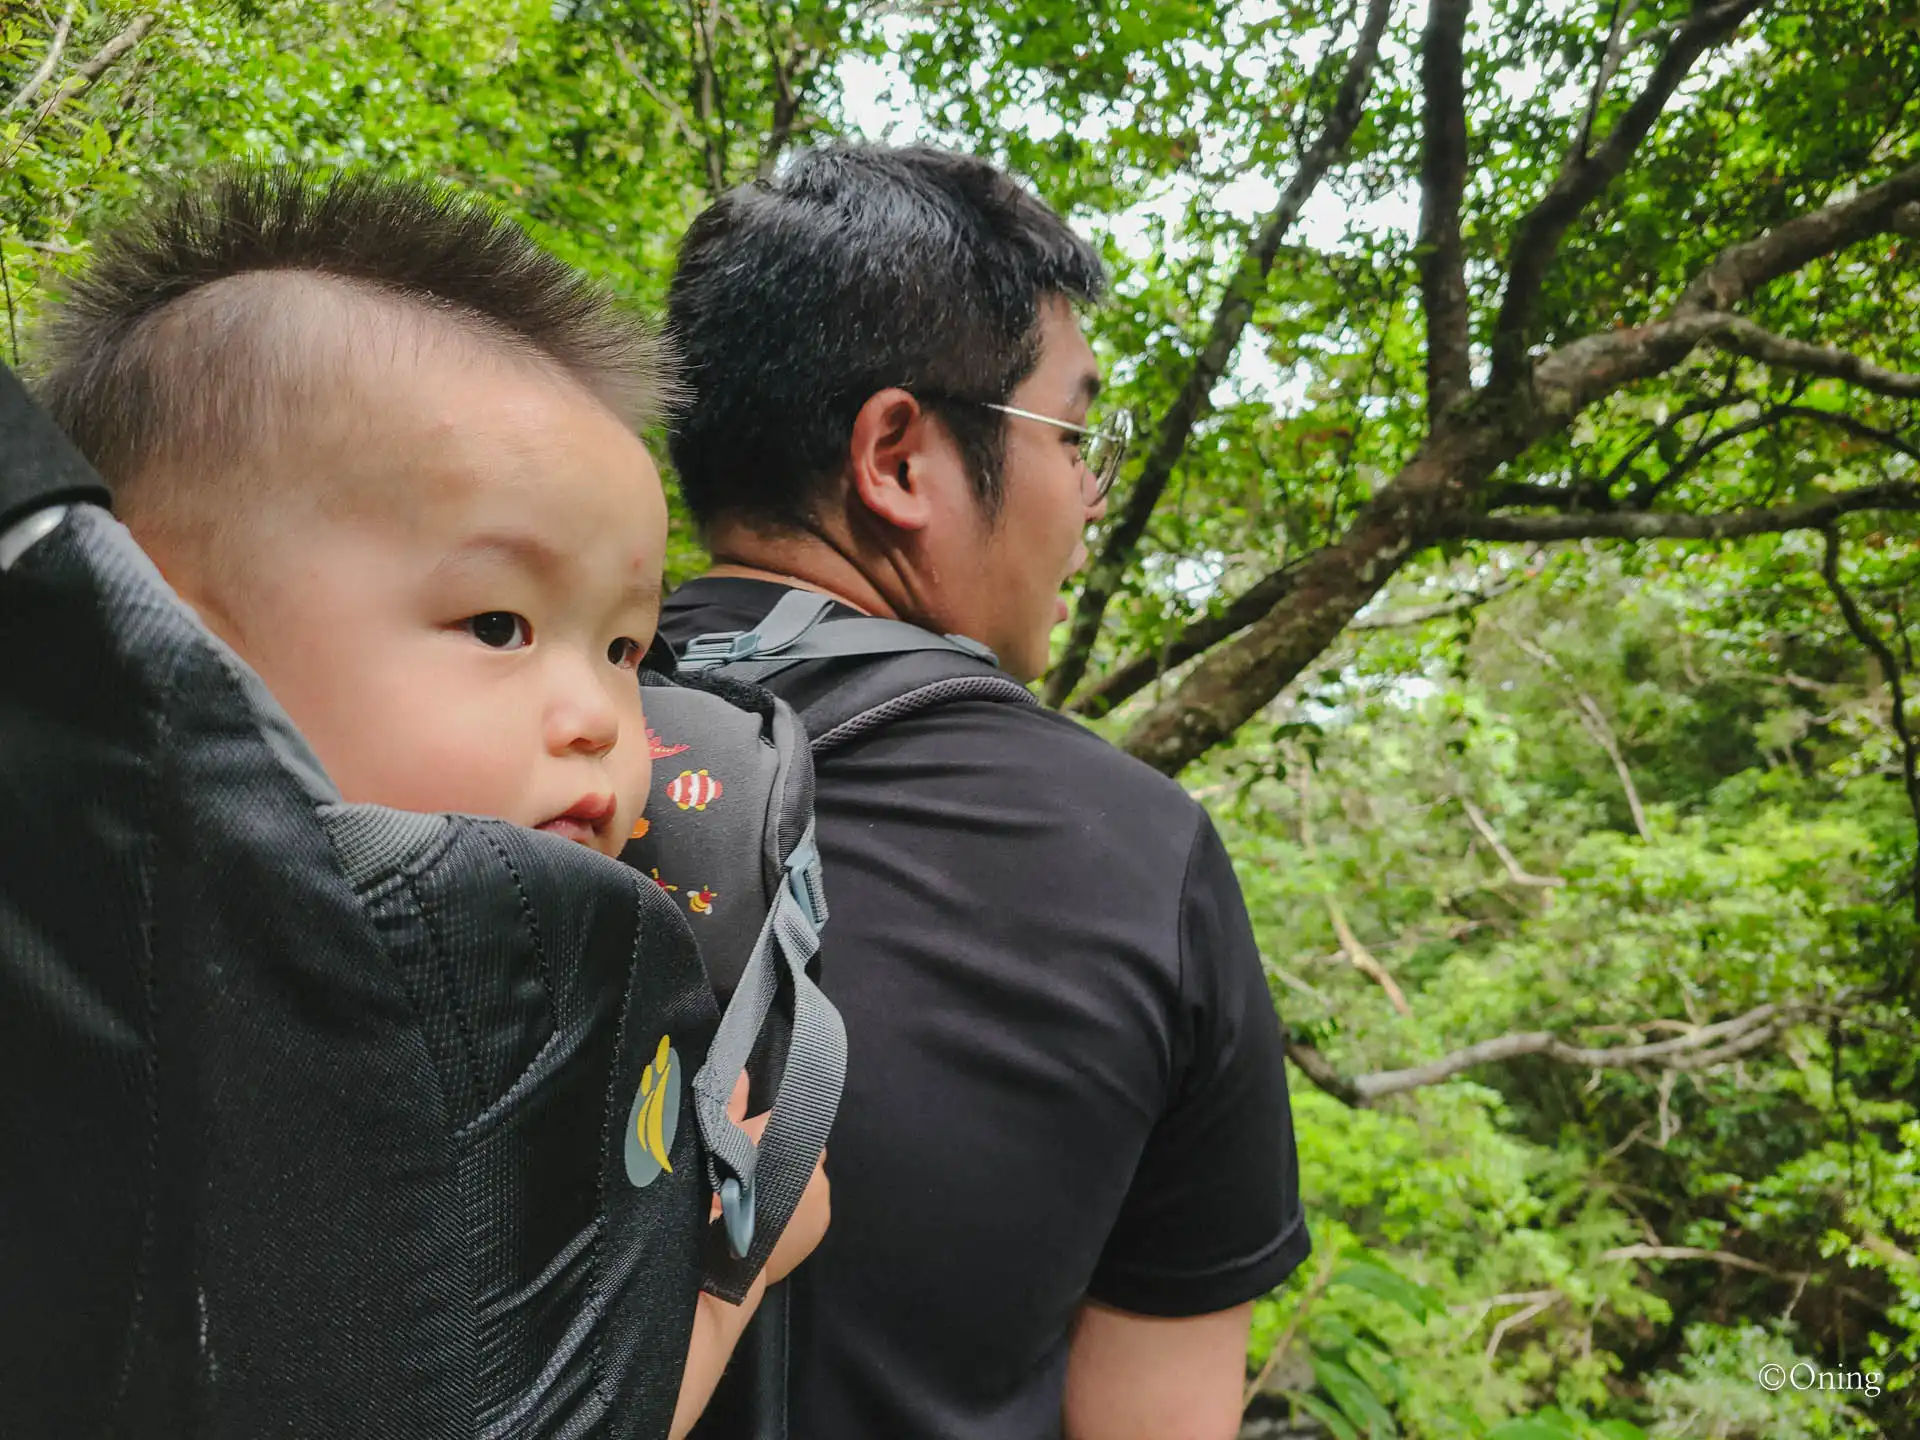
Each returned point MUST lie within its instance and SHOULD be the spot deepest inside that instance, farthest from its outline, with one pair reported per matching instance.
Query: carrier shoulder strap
(914, 669)
(729, 838)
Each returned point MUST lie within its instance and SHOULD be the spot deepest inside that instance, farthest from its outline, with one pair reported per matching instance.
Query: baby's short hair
(179, 346)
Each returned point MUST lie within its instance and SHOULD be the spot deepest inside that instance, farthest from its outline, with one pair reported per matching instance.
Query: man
(1064, 1167)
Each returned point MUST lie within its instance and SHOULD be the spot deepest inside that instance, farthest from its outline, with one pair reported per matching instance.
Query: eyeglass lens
(1103, 450)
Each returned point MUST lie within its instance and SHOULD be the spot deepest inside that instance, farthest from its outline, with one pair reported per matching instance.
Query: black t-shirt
(1065, 1075)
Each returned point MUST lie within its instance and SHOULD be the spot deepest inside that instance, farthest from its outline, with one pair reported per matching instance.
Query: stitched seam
(406, 984)
(436, 948)
(162, 730)
(532, 921)
(609, 1178)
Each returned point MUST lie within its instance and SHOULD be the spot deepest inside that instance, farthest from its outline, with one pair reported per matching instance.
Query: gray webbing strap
(798, 612)
(760, 1186)
(794, 630)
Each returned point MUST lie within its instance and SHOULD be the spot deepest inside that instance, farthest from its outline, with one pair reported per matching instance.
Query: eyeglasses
(1102, 446)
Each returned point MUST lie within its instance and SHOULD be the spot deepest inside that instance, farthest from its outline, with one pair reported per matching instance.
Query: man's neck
(804, 562)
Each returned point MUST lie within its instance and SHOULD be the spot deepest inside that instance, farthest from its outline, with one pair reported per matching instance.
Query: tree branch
(1697, 1050)
(1701, 448)
(1516, 1319)
(1870, 637)
(1610, 58)
(1662, 525)
(1234, 680)
(790, 80)
(1285, 1342)
(1536, 240)
(1362, 959)
(1478, 819)
(1223, 337)
(1601, 489)
(1432, 497)
(1194, 638)
(1438, 610)
(1582, 371)
(1857, 428)
(104, 59)
(1594, 721)
(51, 62)
(1443, 186)
(1741, 269)
(1746, 338)
(81, 80)
(1692, 1252)
(706, 95)
(1256, 601)
(1531, 496)
(675, 113)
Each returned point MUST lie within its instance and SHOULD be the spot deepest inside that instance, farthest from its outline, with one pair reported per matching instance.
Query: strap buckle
(736, 1213)
(804, 882)
(721, 648)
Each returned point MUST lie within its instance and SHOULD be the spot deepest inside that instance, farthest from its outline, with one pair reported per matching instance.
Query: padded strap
(798, 612)
(760, 1186)
(947, 691)
(796, 629)
(38, 465)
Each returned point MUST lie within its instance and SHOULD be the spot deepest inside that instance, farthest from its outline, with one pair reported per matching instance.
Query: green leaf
(1382, 1376)
(1531, 1428)
(1417, 1300)
(1327, 1416)
(1354, 1396)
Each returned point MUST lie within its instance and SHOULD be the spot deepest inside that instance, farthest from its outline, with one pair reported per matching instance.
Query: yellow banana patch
(653, 1108)
(654, 1118)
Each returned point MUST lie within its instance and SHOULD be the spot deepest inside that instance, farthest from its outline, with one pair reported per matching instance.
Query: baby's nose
(583, 717)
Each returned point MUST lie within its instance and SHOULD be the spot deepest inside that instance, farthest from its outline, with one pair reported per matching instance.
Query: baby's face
(455, 618)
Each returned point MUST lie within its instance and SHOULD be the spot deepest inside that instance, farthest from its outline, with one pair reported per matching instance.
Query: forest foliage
(1518, 558)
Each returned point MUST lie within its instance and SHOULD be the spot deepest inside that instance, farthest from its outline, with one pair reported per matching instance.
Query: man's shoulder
(1012, 740)
(999, 744)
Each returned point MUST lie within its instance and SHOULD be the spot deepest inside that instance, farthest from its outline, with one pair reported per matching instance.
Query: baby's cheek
(634, 765)
(642, 782)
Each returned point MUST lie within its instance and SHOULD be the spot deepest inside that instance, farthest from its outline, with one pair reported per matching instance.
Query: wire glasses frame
(1102, 446)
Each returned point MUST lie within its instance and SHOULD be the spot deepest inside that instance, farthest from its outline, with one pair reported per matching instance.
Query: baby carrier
(325, 1119)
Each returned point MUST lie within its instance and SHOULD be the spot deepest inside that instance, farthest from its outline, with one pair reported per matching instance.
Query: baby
(385, 446)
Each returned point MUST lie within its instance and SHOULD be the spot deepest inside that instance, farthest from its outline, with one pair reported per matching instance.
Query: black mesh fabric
(313, 1121)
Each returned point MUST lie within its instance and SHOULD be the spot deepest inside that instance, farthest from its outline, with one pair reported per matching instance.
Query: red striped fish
(694, 790)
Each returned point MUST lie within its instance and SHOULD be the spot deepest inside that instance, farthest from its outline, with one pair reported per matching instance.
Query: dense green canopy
(1517, 559)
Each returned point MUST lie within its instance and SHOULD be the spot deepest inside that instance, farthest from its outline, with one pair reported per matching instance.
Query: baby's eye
(626, 653)
(500, 630)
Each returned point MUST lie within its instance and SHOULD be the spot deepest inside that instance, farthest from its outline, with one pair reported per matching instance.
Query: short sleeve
(1213, 1216)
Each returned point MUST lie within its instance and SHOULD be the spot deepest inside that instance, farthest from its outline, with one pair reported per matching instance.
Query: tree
(1554, 368)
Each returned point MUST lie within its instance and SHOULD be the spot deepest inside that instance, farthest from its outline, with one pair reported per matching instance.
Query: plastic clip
(736, 1212)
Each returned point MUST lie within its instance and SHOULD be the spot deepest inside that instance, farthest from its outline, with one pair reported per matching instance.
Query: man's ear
(889, 456)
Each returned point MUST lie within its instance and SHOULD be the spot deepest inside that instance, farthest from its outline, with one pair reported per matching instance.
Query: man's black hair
(857, 268)
(151, 361)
